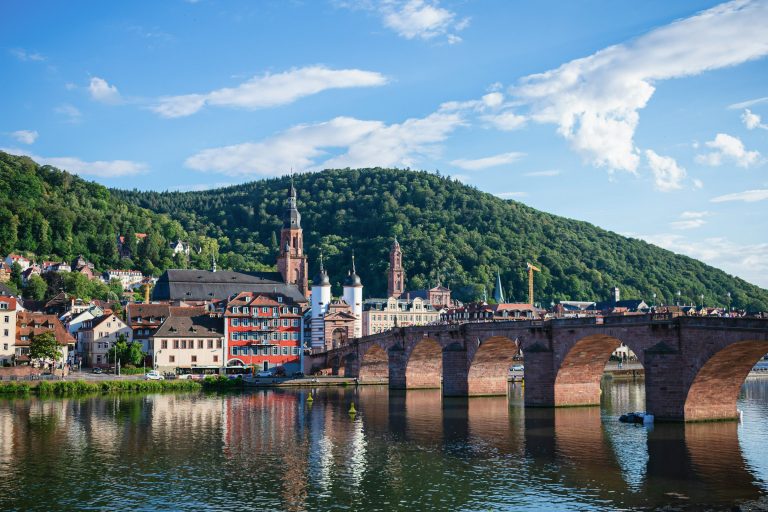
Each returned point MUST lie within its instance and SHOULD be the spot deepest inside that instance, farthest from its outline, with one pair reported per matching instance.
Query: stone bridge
(694, 367)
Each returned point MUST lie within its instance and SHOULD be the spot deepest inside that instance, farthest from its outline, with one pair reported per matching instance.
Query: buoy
(352, 409)
(309, 398)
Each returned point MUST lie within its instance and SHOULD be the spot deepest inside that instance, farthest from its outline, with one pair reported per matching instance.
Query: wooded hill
(446, 229)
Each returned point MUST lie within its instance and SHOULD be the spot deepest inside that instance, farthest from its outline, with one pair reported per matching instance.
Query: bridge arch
(489, 368)
(424, 365)
(374, 365)
(715, 388)
(577, 380)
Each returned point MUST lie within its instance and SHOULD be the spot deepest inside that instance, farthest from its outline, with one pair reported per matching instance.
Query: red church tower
(292, 262)
(396, 280)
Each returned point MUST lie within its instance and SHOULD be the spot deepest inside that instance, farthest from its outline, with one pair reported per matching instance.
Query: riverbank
(81, 387)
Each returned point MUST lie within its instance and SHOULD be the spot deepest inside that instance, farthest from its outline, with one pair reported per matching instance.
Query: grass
(79, 387)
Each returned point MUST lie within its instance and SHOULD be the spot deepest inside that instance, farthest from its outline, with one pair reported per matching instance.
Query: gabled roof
(200, 326)
(46, 323)
(203, 285)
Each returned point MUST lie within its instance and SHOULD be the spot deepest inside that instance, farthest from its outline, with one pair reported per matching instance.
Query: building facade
(29, 325)
(127, 278)
(381, 315)
(263, 331)
(97, 336)
(8, 310)
(190, 344)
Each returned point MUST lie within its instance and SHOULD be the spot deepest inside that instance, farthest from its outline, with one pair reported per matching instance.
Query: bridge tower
(353, 295)
(321, 298)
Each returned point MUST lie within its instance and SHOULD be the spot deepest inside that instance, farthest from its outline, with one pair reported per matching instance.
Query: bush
(15, 388)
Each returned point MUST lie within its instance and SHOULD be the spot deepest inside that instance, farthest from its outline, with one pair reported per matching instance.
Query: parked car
(153, 375)
(184, 376)
(518, 368)
(97, 370)
(265, 373)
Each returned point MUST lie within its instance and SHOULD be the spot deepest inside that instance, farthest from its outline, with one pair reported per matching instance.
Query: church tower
(396, 280)
(291, 260)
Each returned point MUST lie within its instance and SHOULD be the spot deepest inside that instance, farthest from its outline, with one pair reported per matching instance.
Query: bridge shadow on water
(574, 451)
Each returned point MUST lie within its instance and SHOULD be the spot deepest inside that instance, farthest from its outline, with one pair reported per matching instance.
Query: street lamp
(702, 300)
(729, 303)
(654, 299)
(678, 297)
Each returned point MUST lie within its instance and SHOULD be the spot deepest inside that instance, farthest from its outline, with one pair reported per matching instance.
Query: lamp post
(678, 297)
(702, 300)
(654, 299)
(729, 303)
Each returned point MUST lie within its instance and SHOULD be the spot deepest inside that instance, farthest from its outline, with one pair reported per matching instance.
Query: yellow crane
(531, 268)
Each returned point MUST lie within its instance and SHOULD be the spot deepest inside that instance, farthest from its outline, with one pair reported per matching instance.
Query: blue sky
(647, 118)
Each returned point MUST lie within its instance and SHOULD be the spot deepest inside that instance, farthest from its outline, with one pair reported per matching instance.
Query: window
(295, 351)
(275, 351)
(295, 322)
(285, 322)
(164, 344)
(235, 322)
(175, 343)
(236, 310)
(234, 351)
(199, 343)
(246, 310)
(215, 359)
(171, 359)
(183, 343)
(274, 335)
(5, 332)
(279, 298)
(235, 336)
(274, 311)
(285, 335)
(246, 322)
(285, 351)
(3, 305)
(194, 359)
(218, 343)
(7, 319)
(210, 343)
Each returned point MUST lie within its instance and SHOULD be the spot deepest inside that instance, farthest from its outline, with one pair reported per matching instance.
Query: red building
(263, 331)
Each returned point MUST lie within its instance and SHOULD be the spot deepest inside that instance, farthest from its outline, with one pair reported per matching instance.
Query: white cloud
(595, 100)
(25, 136)
(505, 121)
(752, 120)
(728, 147)
(511, 195)
(748, 261)
(270, 90)
(667, 175)
(362, 144)
(98, 168)
(24, 56)
(697, 183)
(71, 113)
(536, 174)
(690, 220)
(422, 19)
(101, 91)
(489, 161)
(748, 196)
(748, 103)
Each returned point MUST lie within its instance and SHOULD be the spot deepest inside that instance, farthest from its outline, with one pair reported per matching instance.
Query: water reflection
(272, 449)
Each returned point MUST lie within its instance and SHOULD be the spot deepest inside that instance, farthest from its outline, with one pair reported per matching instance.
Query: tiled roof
(201, 326)
(46, 323)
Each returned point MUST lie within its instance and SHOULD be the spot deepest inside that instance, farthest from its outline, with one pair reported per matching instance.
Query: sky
(646, 118)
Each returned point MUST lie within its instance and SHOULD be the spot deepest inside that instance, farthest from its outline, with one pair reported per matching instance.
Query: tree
(44, 347)
(134, 355)
(36, 288)
(16, 275)
(126, 353)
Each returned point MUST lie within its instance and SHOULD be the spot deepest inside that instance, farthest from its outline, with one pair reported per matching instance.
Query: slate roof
(186, 285)
(201, 326)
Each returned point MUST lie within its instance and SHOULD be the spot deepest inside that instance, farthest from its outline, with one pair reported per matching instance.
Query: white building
(16, 258)
(7, 329)
(185, 344)
(97, 336)
(127, 278)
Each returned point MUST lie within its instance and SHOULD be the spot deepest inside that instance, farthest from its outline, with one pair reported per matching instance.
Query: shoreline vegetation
(80, 387)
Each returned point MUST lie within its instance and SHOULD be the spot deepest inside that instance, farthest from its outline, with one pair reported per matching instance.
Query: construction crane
(531, 268)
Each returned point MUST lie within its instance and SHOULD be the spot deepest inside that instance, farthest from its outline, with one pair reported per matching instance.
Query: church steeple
(291, 261)
(396, 279)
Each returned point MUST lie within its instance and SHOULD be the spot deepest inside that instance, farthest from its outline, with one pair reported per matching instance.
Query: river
(273, 450)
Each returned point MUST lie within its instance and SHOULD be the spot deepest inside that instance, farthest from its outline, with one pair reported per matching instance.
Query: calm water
(269, 450)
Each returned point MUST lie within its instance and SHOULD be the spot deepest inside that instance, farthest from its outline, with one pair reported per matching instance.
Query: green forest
(448, 231)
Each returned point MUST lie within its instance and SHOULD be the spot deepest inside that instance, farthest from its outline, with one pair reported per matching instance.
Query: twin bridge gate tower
(694, 367)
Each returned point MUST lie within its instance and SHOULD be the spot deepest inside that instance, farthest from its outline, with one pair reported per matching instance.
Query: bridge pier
(455, 370)
(352, 366)
(397, 366)
(539, 377)
(665, 392)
